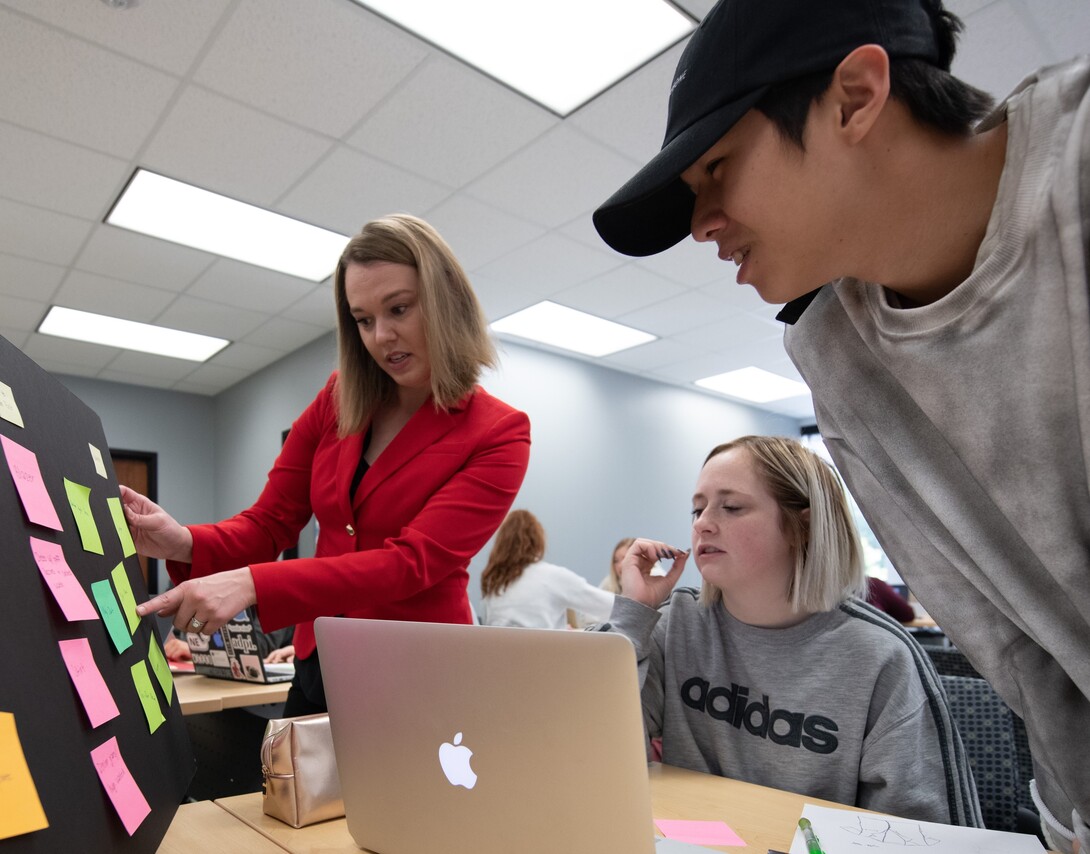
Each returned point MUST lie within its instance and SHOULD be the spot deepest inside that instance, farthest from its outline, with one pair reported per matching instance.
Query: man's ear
(860, 89)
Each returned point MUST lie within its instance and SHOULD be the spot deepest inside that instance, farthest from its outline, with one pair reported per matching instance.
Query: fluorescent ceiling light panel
(563, 327)
(755, 385)
(560, 53)
(181, 213)
(130, 335)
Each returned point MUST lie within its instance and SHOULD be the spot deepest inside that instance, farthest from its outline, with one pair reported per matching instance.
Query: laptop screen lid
(486, 740)
(232, 653)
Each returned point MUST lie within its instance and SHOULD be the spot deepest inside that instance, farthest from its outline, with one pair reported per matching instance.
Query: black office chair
(950, 661)
(988, 731)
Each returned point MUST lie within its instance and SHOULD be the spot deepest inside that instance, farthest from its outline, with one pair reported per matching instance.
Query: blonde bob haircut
(828, 558)
(455, 328)
(520, 541)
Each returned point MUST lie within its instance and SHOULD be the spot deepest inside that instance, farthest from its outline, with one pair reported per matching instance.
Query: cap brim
(653, 210)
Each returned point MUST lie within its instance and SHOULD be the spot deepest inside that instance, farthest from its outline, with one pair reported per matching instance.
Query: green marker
(813, 844)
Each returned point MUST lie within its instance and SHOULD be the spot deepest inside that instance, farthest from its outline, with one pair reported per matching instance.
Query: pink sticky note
(23, 465)
(98, 702)
(66, 588)
(699, 832)
(130, 803)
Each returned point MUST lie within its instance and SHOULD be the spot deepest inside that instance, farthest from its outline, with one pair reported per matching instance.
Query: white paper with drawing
(848, 831)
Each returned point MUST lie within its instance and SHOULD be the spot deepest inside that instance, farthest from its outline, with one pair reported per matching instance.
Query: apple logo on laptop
(454, 759)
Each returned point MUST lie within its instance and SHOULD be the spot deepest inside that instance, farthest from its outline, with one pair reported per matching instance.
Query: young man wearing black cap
(934, 260)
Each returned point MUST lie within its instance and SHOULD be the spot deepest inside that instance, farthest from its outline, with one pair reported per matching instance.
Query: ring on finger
(196, 624)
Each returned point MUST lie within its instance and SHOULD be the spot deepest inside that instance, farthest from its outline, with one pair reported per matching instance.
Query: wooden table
(204, 826)
(198, 694)
(764, 818)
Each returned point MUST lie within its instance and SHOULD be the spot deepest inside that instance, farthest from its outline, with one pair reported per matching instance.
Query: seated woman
(520, 589)
(775, 673)
(612, 581)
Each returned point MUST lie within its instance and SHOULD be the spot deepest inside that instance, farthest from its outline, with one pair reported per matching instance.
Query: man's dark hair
(932, 94)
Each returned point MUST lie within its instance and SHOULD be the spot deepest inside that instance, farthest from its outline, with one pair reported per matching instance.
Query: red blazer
(399, 550)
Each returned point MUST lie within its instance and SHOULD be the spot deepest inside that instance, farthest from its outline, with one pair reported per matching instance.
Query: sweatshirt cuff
(635, 621)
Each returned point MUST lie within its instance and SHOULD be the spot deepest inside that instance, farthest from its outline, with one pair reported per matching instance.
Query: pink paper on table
(699, 832)
(98, 702)
(23, 465)
(130, 803)
(66, 588)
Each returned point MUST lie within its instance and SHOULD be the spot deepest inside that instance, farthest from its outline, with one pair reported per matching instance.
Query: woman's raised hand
(154, 531)
(638, 583)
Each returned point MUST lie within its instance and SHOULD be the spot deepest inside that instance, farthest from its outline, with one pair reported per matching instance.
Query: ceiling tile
(21, 277)
(30, 232)
(316, 307)
(287, 335)
(740, 329)
(348, 189)
(151, 366)
(479, 233)
(209, 141)
(549, 265)
(632, 119)
(323, 69)
(23, 314)
(679, 314)
(246, 286)
(998, 30)
(554, 179)
(165, 35)
(98, 294)
(62, 86)
(16, 337)
(245, 357)
(121, 254)
(62, 177)
(620, 291)
(211, 379)
(43, 348)
(654, 354)
(691, 263)
(210, 318)
(450, 123)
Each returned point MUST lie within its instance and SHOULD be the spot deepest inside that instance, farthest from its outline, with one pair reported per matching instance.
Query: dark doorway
(139, 470)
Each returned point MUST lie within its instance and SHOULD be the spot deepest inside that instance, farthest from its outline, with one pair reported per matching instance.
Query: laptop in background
(232, 653)
(486, 740)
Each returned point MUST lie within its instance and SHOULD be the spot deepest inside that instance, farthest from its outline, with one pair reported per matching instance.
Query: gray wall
(613, 454)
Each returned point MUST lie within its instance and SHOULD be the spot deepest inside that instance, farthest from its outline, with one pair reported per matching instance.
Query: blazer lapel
(348, 459)
(426, 427)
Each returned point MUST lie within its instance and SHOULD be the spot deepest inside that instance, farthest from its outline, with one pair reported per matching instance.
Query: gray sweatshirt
(844, 706)
(963, 429)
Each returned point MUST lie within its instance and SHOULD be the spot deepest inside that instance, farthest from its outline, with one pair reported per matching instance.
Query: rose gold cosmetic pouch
(301, 785)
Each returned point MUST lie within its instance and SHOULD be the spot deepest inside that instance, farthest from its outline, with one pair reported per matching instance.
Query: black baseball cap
(741, 49)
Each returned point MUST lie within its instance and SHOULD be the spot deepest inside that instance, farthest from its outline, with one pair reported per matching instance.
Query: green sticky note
(122, 526)
(142, 680)
(79, 498)
(124, 595)
(161, 670)
(111, 615)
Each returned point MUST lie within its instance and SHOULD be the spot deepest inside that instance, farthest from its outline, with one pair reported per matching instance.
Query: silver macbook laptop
(484, 740)
(232, 653)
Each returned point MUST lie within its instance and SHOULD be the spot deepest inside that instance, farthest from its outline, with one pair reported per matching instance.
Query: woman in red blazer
(406, 463)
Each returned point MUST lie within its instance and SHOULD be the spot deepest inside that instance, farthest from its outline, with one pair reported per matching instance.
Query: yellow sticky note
(161, 670)
(125, 596)
(79, 498)
(142, 680)
(20, 809)
(96, 455)
(122, 526)
(9, 409)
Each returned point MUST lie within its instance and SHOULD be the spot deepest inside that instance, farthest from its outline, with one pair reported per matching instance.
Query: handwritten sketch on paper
(848, 831)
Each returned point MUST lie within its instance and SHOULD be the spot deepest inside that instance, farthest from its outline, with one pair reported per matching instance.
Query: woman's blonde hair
(828, 556)
(611, 582)
(520, 541)
(455, 327)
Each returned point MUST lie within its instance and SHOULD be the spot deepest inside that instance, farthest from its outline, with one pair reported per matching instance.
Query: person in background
(520, 589)
(612, 581)
(774, 672)
(885, 598)
(934, 256)
(406, 463)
